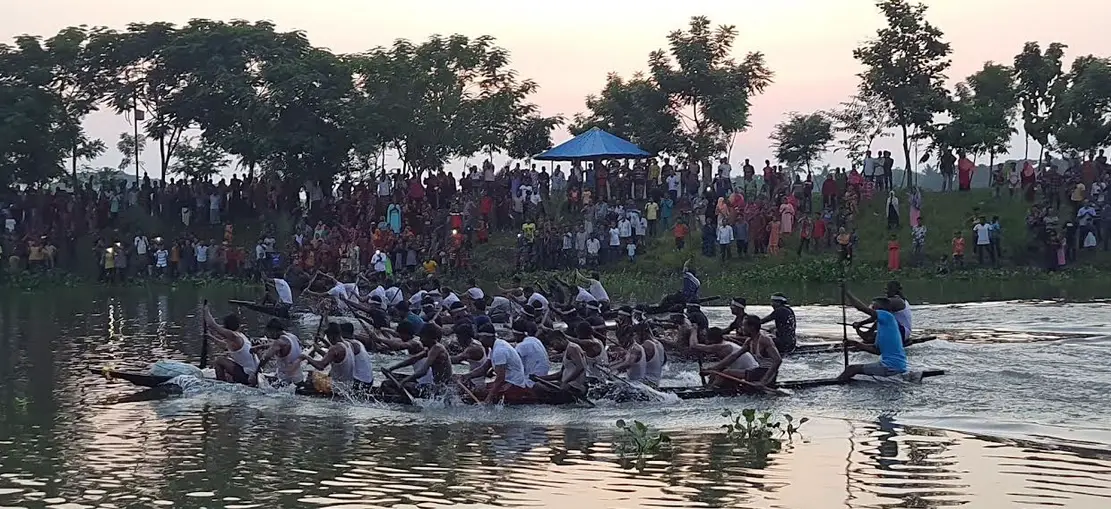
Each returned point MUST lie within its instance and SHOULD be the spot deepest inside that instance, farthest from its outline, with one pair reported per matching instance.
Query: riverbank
(810, 277)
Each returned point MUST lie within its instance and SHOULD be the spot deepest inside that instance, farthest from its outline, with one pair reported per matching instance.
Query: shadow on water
(71, 439)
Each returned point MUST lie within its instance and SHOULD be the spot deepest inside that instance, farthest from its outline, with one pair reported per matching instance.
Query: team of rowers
(742, 353)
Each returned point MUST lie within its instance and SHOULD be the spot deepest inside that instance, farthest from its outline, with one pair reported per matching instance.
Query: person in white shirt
(534, 357)
(631, 250)
(378, 261)
(625, 228)
(201, 254)
(142, 258)
(536, 300)
(983, 240)
(584, 296)
(510, 382)
(725, 239)
(593, 246)
(394, 295)
(161, 260)
(869, 165)
(673, 186)
(614, 244)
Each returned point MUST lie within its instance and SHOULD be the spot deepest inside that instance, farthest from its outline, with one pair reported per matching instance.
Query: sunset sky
(568, 47)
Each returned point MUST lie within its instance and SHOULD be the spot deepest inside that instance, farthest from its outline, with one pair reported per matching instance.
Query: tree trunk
(908, 176)
(1026, 152)
(73, 161)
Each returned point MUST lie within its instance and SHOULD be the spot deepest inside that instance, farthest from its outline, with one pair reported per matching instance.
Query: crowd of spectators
(581, 214)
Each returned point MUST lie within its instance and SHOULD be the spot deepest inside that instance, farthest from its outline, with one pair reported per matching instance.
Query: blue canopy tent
(591, 145)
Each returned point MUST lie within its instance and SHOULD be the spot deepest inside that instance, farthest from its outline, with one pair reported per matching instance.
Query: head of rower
(737, 306)
(347, 330)
(430, 335)
(486, 335)
(333, 333)
(624, 315)
(750, 326)
(778, 300)
(464, 334)
(274, 329)
(894, 289)
(523, 329)
(715, 336)
(406, 330)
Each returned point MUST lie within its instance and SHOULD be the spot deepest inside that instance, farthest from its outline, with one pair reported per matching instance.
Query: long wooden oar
(204, 335)
(393, 379)
(844, 321)
(556, 388)
(746, 383)
(466, 390)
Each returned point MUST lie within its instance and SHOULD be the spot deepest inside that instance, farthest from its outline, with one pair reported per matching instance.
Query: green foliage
(531, 136)
(1039, 78)
(982, 113)
(637, 439)
(710, 93)
(1082, 113)
(905, 66)
(750, 427)
(199, 160)
(634, 109)
(802, 139)
(127, 148)
(859, 121)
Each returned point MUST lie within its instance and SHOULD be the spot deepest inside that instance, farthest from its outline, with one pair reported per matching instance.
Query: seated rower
(500, 309)
(654, 355)
(286, 348)
(510, 383)
(758, 359)
(634, 363)
(784, 318)
(572, 371)
(724, 351)
(239, 365)
(889, 344)
(737, 309)
(473, 353)
(866, 328)
(372, 309)
(431, 367)
(534, 356)
(278, 297)
(341, 358)
(624, 328)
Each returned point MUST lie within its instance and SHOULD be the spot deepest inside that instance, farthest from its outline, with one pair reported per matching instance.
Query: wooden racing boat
(707, 392)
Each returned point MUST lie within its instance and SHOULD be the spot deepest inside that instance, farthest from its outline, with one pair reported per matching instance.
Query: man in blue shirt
(889, 341)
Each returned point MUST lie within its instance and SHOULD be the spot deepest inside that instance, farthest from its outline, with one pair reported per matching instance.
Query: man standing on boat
(784, 318)
(239, 365)
(284, 347)
(889, 344)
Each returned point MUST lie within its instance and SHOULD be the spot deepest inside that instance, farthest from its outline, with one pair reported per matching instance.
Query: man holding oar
(240, 364)
(894, 292)
(286, 348)
(758, 356)
(889, 344)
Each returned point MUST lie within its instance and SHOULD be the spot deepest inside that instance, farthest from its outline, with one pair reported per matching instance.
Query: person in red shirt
(680, 232)
(965, 170)
(819, 232)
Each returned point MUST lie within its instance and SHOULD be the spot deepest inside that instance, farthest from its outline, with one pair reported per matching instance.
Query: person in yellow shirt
(109, 264)
(654, 172)
(652, 213)
(430, 266)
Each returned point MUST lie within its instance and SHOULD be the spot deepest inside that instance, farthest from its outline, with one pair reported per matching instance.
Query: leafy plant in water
(752, 427)
(638, 439)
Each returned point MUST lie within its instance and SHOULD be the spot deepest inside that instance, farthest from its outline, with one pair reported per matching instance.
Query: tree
(79, 81)
(443, 98)
(860, 120)
(129, 146)
(1040, 79)
(31, 137)
(982, 114)
(531, 136)
(802, 139)
(709, 92)
(636, 110)
(905, 66)
(199, 160)
(1082, 111)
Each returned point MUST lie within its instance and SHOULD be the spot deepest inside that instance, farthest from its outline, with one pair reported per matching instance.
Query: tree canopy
(802, 139)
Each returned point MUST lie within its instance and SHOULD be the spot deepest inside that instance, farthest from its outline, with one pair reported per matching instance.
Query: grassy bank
(811, 277)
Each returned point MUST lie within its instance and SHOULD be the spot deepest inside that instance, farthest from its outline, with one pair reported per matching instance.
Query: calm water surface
(1020, 421)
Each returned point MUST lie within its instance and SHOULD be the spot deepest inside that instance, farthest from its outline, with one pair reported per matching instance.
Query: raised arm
(860, 305)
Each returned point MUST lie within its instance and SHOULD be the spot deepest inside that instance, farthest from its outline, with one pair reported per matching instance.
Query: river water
(1020, 420)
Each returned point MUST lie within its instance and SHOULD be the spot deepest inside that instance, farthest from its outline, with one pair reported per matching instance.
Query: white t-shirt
(393, 296)
(642, 227)
(380, 292)
(615, 237)
(536, 298)
(625, 228)
(725, 234)
(160, 258)
(869, 166)
(593, 246)
(285, 294)
(476, 293)
(983, 234)
(384, 187)
(631, 248)
(503, 354)
(338, 291)
(673, 182)
(598, 291)
(379, 261)
(417, 298)
(141, 245)
(352, 290)
(449, 300)
(584, 296)
(9, 224)
(202, 253)
(534, 357)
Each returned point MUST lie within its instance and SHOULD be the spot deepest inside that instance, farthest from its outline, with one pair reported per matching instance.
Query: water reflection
(69, 437)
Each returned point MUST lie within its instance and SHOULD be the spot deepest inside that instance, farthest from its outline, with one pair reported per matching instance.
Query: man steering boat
(888, 345)
(784, 318)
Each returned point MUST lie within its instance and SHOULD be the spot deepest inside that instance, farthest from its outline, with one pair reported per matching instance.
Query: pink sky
(568, 47)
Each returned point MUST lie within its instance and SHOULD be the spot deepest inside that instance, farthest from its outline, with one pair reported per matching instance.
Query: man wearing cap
(784, 318)
(624, 329)
(889, 344)
(286, 348)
